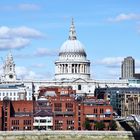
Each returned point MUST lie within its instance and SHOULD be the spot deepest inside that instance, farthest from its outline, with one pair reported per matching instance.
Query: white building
(43, 123)
(72, 62)
(71, 69)
(10, 86)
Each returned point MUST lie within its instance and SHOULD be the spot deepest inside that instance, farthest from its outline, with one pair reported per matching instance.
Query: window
(27, 122)
(79, 107)
(57, 107)
(15, 122)
(95, 110)
(70, 122)
(43, 121)
(101, 110)
(79, 87)
(69, 107)
(10, 67)
(58, 124)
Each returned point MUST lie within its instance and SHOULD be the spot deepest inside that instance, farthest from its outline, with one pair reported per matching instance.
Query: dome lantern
(72, 32)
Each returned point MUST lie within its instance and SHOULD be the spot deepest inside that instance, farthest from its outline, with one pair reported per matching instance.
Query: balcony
(69, 113)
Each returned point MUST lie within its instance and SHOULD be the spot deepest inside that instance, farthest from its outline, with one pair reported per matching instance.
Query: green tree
(112, 125)
(100, 125)
(86, 124)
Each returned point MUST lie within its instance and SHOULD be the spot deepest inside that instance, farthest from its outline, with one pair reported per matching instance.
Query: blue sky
(35, 30)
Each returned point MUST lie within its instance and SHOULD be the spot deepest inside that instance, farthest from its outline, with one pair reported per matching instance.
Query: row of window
(15, 122)
(15, 98)
(25, 122)
(11, 94)
(95, 110)
(58, 107)
(6, 94)
(24, 128)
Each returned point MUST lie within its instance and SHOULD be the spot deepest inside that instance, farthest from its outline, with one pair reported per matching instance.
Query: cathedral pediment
(80, 80)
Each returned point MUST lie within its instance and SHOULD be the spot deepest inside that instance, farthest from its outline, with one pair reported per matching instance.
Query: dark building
(125, 101)
(128, 68)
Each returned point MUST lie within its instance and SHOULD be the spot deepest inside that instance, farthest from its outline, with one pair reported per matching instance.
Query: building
(128, 68)
(43, 115)
(10, 86)
(9, 73)
(15, 91)
(64, 110)
(130, 104)
(98, 110)
(72, 62)
(71, 69)
(70, 111)
(125, 101)
(16, 115)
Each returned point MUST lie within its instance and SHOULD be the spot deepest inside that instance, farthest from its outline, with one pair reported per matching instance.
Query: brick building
(57, 108)
(70, 111)
(97, 110)
(16, 115)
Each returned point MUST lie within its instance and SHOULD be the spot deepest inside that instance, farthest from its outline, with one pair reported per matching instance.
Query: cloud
(20, 7)
(110, 61)
(16, 38)
(28, 7)
(26, 73)
(45, 52)
(41, 65)
(124, 17)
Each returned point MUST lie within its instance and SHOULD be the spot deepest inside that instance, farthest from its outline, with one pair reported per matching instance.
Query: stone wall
(69, 135)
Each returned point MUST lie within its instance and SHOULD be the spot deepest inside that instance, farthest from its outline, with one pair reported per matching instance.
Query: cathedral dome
(72, 62)
(72, 47)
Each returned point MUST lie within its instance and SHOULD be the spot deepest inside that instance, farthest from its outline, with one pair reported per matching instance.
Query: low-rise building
(16, 115)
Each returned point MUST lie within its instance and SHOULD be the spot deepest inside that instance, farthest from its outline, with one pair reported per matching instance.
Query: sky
(34, 30)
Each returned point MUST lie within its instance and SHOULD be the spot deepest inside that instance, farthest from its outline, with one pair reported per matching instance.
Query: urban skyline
(34, 31)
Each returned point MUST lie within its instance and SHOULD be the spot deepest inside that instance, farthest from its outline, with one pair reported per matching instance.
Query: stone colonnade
(73, 68)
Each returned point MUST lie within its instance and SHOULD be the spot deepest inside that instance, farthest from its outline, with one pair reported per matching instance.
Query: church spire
(72, 32)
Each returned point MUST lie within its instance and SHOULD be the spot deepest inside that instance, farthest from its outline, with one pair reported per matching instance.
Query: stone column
(64, 68)
(74, 68)
(81, 68)
(59, 68)
(69, 68)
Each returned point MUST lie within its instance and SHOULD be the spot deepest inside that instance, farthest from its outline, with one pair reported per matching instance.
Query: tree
(112, 125)
(86, 124)
(100, 125)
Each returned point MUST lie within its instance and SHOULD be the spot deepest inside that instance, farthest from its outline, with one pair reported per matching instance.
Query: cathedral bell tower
(9, 73)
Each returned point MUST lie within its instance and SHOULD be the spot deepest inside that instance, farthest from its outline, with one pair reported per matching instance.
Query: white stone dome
(72, 47)
(72, 62)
